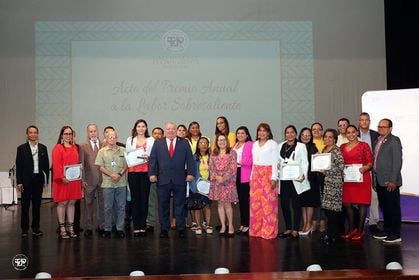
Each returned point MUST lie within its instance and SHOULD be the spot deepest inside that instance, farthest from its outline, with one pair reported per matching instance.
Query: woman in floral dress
(223, 169)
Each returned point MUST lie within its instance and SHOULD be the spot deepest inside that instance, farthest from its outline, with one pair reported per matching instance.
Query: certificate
(290, 171)
(351, 173)
(321, 161)
(135, 157)
(73, 172)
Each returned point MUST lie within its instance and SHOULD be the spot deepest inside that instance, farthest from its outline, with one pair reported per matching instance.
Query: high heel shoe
(358, 237)
(349, 235)
(245, 231)
(70, 229)
(63, 231)
(305, 233)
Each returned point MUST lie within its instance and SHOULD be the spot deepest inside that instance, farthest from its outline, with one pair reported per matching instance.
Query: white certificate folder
(321, 161)
(135, 157)
(73, 172)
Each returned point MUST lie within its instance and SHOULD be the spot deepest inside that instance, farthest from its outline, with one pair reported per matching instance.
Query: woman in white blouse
(264, 185)
(138, 180)
(292, 152)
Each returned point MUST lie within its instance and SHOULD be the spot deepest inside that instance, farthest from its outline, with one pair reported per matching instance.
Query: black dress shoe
(284, 235)
(24, 234)
(37, 232)
(106, 234)
(150, 229)
(88, 233)
(164, 234)
(182, 234)
(120, 234)
(329, 240)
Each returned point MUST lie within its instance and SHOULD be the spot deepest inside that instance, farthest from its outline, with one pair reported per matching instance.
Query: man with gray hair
(92, 179)
(114, 184)
(388, 180)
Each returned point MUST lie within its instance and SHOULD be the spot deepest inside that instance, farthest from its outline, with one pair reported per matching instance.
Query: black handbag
(194, 201)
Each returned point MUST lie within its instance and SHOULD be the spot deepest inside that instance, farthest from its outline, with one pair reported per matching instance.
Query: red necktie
(171, 150)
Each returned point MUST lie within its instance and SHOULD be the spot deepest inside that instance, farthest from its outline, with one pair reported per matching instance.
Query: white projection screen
(113, 73)
(119, 82)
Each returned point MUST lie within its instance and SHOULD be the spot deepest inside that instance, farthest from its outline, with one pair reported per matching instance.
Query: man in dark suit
(370, 137)
(92, 179)
(168, 159)
(388, 179)
(32, 172)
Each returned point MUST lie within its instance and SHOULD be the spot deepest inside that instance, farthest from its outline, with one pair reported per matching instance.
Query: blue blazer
(171, 170)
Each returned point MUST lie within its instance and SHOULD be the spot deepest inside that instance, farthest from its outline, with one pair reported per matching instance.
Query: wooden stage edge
(327, 274)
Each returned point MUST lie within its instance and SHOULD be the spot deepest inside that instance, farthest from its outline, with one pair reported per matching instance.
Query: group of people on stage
(323, 180)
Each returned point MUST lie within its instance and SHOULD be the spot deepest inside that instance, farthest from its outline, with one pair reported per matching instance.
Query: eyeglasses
(306, 135)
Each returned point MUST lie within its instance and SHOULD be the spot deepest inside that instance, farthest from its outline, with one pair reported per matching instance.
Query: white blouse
(266, 155)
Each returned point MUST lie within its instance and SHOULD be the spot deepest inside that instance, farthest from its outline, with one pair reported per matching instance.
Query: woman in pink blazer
(243, 149)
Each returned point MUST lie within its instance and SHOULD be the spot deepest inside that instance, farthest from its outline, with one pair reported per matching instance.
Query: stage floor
(193, 255)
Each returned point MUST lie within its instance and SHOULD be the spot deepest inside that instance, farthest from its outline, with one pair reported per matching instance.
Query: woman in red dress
(65, 192)
(356, 193)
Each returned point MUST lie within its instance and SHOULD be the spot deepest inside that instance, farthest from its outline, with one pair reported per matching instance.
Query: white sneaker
(198, 231)
(392, 239)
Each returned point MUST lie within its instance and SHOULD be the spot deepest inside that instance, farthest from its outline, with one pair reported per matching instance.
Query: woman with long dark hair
(292, 152)
(65, 192)
(243, 149)
(139, 183)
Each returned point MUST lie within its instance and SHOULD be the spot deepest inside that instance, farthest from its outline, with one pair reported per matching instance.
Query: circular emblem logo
(20, 262)
(175, 40)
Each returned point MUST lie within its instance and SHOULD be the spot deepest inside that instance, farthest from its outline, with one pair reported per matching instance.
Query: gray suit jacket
(388, 162)
(91, 172)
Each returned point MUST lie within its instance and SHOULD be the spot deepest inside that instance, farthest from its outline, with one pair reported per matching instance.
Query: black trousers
(389, 203)
(335, 223)
(290, 204)
(243, 190)
(139, 184)
(31, 193)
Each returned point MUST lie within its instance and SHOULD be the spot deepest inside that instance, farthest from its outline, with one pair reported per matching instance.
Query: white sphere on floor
(394, 266)
(221, 270)
(314, 267)
(43, 275)
(136, 273)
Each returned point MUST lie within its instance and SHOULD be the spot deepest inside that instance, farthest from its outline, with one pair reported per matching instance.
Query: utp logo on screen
(175, 40)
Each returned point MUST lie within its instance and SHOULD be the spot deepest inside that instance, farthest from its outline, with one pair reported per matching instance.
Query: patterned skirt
(263, 204)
